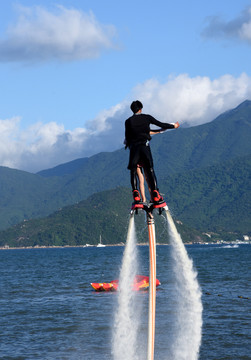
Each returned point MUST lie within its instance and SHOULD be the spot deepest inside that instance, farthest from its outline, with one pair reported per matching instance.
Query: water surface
(48, 310)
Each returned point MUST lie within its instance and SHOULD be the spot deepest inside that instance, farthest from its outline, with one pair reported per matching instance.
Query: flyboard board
(152, 269)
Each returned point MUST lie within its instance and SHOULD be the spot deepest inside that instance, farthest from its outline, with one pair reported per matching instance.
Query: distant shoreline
(120, 244)
(67, 246)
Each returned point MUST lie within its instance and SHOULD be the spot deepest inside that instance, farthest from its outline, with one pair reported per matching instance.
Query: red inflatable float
(141, 282)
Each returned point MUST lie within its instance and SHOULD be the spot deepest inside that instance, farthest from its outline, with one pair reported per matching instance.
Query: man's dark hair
(136, 106)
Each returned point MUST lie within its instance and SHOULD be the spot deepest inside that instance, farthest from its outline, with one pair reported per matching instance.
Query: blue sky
(70, 69)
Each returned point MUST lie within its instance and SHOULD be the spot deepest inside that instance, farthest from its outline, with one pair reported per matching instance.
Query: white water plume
(187, 316)
(127, 316)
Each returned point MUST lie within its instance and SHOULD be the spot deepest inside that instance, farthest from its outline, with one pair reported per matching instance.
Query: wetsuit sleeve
(160, 124)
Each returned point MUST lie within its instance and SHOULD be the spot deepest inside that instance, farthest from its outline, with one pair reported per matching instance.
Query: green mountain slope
(213, 200)
(26, 196)
(175, 151)
(225, 138)
(105, 213)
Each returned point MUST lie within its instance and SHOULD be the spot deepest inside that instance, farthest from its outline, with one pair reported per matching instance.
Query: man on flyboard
(137, 137)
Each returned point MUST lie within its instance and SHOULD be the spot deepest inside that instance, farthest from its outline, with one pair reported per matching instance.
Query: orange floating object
(141, 282)
(111, 286)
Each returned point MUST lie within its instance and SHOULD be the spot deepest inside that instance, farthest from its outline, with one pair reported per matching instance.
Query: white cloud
(245, 30)
(238, 28)
(9, 142)
(192, 101)
(65, 35)
(40, 145)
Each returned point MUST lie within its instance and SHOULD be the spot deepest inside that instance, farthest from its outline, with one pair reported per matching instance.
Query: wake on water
(184, 344)
(187, 324)
(126, 322)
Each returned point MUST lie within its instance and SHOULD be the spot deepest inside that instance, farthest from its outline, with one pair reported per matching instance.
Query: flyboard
(152, 267)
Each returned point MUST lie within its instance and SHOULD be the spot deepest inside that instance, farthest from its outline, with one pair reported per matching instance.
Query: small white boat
(100, 243)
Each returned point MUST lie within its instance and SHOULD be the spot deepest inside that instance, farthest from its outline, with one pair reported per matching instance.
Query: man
(137, 137)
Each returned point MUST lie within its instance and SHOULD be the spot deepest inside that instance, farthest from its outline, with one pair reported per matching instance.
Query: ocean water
(48, 310)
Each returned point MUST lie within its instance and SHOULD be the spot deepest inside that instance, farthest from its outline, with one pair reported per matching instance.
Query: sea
(49, 311)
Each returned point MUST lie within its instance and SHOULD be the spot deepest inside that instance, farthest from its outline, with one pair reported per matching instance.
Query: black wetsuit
(137, 137)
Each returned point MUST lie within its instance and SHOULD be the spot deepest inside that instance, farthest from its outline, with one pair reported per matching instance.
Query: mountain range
(203, 170)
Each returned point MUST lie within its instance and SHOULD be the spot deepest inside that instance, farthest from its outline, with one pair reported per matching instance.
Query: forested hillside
(215, 200)
(204, 172)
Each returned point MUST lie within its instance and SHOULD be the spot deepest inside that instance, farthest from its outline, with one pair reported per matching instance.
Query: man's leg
(152, 183)
(151, 178)
(134, 179)
(132, 166)
(141, 183)
(150, 175)
(134, 183)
